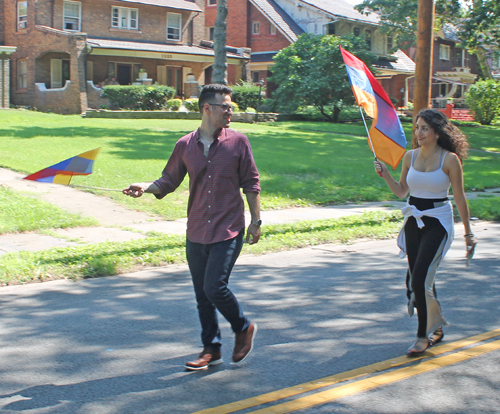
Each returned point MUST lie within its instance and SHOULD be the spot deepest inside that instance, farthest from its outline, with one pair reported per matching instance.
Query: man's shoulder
(233, 134)
(187, 138)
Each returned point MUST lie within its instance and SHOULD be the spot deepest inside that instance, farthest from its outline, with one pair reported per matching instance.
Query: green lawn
(301, 163)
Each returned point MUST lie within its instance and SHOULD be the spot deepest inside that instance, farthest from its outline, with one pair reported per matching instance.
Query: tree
(220, 61)
(311, 72)
(483, 98)
(477, 26)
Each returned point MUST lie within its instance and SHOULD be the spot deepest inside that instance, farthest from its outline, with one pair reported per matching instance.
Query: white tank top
(434, 184)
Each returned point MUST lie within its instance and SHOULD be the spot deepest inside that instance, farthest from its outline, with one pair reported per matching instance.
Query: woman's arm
(399, 188)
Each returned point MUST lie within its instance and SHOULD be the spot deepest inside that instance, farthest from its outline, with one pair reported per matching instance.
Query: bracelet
(469, 235)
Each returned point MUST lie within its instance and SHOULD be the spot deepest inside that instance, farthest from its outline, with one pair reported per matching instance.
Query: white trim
(22, 19)
(255, 28)
(174, 28)
(123, 20)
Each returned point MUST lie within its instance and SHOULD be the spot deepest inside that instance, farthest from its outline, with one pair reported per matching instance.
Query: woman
(427, 233)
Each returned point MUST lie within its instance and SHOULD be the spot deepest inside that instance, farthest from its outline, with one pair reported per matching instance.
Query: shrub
(250, 110)
(246, 94)
(236, 107)
(138, 97)
(483, 98)
(191, 105)
(174, 104)
(155, 97)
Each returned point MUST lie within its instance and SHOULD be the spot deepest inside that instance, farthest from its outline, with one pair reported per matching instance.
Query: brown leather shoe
(206, 358)
(243, 343)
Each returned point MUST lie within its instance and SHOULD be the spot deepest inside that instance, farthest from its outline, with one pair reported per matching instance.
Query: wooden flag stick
(94, 188)
(369, 138)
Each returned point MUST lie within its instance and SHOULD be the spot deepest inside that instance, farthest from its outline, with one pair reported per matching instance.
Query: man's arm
(253, 200)
(138, 189)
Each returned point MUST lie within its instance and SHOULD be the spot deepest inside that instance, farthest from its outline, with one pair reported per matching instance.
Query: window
(211, 2)
(22, 74)
(174, 26)
(444, 52)
(368, 39)
(72, 15)
(389, 43)
(22, 14)
(255, 77)
(256, 28)
(356, 31)
(331, 29)
(272, 29)
(211, 32)
(124, 18)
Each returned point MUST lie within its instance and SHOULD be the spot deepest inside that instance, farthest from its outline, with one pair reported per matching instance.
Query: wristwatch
(257, 223)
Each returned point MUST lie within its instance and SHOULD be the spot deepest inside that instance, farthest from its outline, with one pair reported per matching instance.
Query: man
(219, 162)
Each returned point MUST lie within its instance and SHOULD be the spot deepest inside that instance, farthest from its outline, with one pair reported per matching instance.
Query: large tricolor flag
(386, 136)
(62, 172)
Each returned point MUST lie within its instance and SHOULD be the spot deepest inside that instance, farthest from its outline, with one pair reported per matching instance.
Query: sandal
(418, 347)
(436, 336)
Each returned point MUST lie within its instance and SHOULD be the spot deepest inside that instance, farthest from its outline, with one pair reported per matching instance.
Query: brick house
(65, 48)
(5, 52)
(260, 25)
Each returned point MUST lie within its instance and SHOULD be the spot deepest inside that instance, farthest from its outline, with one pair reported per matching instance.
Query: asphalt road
(118, 344)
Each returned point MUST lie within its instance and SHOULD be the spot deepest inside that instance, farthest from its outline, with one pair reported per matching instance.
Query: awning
(444, 80)
(171, 4)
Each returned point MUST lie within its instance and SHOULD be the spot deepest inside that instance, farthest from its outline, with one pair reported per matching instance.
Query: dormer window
(125, 18)
(22, 14)
(72, 16)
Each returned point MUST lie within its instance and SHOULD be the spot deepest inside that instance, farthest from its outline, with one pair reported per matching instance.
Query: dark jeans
(210, 266)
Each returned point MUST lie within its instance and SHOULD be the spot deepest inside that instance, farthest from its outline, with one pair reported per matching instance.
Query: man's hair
(208, 93)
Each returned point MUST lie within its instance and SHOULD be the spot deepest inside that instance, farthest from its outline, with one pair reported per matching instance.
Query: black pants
(424, 248)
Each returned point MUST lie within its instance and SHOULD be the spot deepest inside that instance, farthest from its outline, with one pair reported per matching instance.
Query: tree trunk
(220, 65)
(423, 69)
(483, 64)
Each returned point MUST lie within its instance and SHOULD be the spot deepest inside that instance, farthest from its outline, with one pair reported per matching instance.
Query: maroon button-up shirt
(215, 208)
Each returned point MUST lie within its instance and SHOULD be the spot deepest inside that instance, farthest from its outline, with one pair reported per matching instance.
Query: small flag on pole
(62, 172)
(386, 136)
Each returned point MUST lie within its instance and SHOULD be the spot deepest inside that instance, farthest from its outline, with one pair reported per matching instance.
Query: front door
(124, 74)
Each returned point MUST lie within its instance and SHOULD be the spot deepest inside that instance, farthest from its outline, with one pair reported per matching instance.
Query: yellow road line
(379, 380)
(345, 376)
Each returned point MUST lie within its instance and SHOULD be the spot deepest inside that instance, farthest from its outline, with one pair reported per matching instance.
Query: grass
(105, 259)
(301, 163)
(20, 213)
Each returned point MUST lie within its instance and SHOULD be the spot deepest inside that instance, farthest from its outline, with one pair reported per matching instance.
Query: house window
(125, 18)
(211, 2)
(368, 39)
(22, 14)
(356, 31)
(272, 29)
(330, 29)
(389, 43)
(256, 28)
(255, 77)
(72, 15)
(174, 26)
(22, 74)
(211, 33)
(444, 52)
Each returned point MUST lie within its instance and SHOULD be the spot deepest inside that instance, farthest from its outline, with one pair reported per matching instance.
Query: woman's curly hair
(449, 136)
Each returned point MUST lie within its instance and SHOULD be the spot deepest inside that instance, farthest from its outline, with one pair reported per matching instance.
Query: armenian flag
(62, 172)
(387, 139)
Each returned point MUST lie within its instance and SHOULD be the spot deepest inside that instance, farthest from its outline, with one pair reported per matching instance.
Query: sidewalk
(121, 224)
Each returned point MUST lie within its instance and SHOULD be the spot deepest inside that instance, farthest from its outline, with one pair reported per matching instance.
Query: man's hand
(254, 231)
(135, 190)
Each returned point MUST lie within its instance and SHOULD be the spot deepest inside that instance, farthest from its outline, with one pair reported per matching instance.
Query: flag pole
(369, 138)
(94, 188)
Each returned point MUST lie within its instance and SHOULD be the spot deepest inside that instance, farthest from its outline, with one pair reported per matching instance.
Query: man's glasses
(225, 107)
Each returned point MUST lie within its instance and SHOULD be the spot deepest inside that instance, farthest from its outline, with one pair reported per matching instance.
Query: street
(118, 344)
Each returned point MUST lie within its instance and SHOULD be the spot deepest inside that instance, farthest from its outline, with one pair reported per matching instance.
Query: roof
(342, 9)
(262, 57)
(274, 13)
(399, 62)
(154, 47)
(171, 4)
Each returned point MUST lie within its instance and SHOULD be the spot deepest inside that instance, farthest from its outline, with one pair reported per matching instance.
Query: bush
(173, 104)
(246, 94)
(192, 105)
(138, 97)
(250, 110)
(236, 107)
(483, 98)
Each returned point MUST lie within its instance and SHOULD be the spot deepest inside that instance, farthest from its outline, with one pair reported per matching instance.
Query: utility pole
(425, 42)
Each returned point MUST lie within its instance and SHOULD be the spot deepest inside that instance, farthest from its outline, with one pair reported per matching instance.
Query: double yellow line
(365, 384)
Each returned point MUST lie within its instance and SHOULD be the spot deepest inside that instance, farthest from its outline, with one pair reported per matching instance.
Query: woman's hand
(380, 167)
(470, 246)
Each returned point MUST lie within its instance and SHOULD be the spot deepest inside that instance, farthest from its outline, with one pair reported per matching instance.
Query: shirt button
(209, 176)
(209, 206)
(209, 161)
(209, 221)
(209, 191)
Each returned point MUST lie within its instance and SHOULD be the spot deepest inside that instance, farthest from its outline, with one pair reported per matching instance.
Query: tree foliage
(483, 98)
(311, 72)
